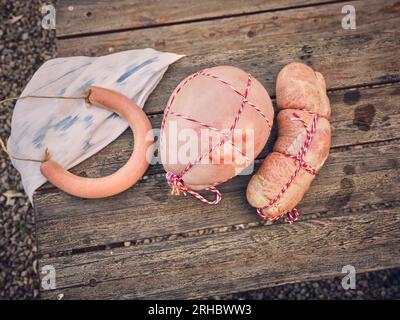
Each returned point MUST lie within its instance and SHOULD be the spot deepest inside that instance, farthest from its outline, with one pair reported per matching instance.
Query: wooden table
(145, 243)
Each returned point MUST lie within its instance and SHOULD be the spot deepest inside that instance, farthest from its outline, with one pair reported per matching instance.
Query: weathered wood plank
(350, 179)
(359, 116)
(376, 110)
(262, 44)
(357, 179)
(76, 17)
(233, 261)
(369, 70)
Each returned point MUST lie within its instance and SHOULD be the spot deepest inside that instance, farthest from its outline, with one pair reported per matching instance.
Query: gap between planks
(322, 45)
(238, 261)
(348, 181)
(130, 243)
(370, 52)
(83, 34)
(385, 98)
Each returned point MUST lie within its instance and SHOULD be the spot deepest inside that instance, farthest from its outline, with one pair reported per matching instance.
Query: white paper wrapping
(71, 131)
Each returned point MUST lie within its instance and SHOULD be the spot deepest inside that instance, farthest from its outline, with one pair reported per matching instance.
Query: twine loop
(178, 186)
(292, 215)
(290, 218)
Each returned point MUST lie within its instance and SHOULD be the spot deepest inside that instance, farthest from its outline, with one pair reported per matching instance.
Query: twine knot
(290, 218)
(176, 183)
(292, 215)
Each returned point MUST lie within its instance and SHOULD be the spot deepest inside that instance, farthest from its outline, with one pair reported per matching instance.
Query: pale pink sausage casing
(128, 174)
(210, 101)
(298, 87)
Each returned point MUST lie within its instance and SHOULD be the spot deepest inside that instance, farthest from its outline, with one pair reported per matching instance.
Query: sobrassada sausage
(127, 175)
(304, 138)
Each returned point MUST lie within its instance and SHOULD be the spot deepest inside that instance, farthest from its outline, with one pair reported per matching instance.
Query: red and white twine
(293, 215)
(175, 180)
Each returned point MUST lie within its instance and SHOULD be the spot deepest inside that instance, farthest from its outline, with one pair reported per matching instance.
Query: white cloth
(71, 131)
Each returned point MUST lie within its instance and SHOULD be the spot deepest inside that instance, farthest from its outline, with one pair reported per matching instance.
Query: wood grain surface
(233, 261)
(76, 17)
(145, 243)
(262, 44)
(148, 209)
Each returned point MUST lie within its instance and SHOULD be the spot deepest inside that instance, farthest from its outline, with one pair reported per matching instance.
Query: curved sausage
(127, 175)
(286, 173)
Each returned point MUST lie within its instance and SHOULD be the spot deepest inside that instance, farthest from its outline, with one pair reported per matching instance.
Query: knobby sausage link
(304, 138)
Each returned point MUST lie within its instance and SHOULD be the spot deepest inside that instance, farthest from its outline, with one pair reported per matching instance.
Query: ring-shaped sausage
(128, 174)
